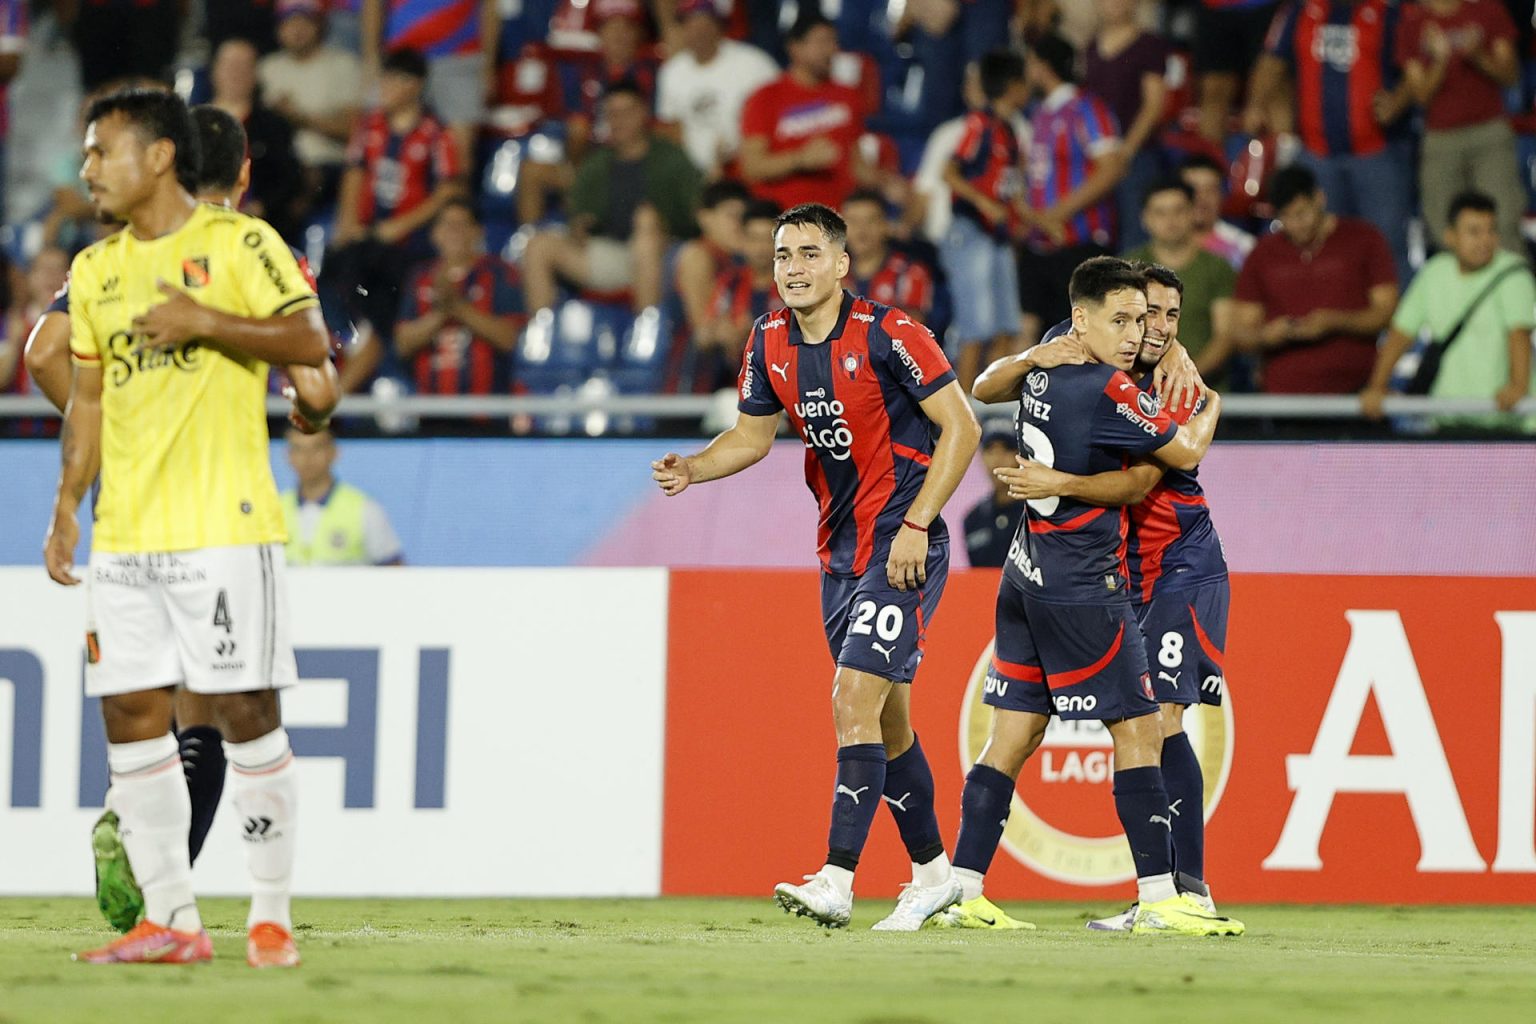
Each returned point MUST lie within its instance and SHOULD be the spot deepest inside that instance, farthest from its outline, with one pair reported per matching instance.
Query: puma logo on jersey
(841, 789)
(887, 651)
(782, 371)
(1173, 680)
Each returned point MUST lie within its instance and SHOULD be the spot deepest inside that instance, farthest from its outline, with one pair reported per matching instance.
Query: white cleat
(1121, 922)
(918, 903)
(818, 899)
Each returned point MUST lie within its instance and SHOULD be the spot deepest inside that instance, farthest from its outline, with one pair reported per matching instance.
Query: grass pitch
(677, 960)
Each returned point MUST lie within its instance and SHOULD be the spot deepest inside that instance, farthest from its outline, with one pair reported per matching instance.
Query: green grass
(677, 960)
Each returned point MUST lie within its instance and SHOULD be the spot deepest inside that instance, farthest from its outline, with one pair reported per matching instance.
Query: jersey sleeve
(1128, 419)
(1517, 300)
(757, 115)
(1281, 39)
(970, 139)
(270, 278)
(1412, 313)
(60, 303)
(379, 539)
(912, 356)
(1099, 130)
(446, 164)
(757, 397)
(84, 347)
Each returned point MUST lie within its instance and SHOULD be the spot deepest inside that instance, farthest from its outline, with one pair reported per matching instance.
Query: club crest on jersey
(1037, 382)
(194, 272)
(852, 363)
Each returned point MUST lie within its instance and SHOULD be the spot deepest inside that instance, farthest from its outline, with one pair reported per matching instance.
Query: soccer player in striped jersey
(888, 435)
(174, 321)
(1178, 587)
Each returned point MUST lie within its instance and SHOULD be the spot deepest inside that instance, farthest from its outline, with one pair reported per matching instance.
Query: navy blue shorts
(1186, 633)
(1077, 661)
(875, 628)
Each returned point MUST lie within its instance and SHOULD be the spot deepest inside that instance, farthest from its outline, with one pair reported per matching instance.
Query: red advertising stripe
(1348, 663)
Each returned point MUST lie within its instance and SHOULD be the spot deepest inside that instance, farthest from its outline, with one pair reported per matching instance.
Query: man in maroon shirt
(1314, 295)
(1459, 56)
(800, 132)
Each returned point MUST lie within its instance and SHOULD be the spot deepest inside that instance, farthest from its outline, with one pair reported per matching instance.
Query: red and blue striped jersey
(1172, 543)
(901, 281)
(400, 171)
(1341, 55)
(438, 28)
(1082, 420)
(854, 401)
(457, 361)
(738, 297)
(988, 158)
(1069, 131)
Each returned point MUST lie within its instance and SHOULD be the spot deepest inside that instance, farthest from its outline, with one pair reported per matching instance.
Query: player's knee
(131, 717)
(243, 717)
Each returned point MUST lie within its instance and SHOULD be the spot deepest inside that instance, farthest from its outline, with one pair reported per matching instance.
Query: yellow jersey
(184, 459)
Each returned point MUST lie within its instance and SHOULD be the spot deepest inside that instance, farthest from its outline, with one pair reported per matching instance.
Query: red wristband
(909, 524)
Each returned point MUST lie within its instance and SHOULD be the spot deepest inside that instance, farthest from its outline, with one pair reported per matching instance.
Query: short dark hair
(156, 114)
(1096, 279)
(865, 195)
(1203, 162)
(1471, 199)
(625, 87)
(1159, 274)
(999, 69)
(1057, 54)
(460, 203)
(809, 21)
(722, 191)
(817, 216)
(762, 209)
(222, 143)
(1168, 183)
(406, 60)
(1289, 184)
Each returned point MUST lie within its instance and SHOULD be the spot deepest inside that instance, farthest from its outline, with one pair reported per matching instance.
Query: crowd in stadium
(520, 197)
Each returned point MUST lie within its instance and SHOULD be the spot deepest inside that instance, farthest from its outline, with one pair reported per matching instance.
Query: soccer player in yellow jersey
(174, 321)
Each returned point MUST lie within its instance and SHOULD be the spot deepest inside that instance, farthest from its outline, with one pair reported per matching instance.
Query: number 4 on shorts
(221, 613)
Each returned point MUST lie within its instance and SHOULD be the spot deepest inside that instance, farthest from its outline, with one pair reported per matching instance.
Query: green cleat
(117, 893)
(1182, 915)
(978, 913)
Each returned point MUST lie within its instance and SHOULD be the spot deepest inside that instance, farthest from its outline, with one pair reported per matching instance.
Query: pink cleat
(270, 945)
(150, 943)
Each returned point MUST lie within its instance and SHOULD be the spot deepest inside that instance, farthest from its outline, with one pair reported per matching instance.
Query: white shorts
(214, 620)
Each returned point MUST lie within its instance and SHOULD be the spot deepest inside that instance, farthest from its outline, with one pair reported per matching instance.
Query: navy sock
(909, 793)
(984, 807)
(1142, 804)
(202, 760)
(1186, 801)
(860, 781)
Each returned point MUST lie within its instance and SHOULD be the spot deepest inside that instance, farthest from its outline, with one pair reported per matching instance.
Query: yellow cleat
(1181, 915)
(978, 913)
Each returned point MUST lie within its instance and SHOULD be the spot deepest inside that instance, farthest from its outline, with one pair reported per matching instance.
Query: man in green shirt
(1168, 214)
(1491, 357)
(630, 198)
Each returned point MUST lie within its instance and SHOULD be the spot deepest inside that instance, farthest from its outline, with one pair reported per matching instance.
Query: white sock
(266, 796)
(935, 872)
(1155, 888)
(970, 883)
(149, 794)
(840, 877)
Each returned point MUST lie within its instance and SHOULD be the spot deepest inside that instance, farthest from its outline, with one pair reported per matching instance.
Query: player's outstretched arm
(1032, 480)
(47, 358)
(745, 444)
(80, 453)
(1003, 381)
(296, 338)
(1193, 440)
